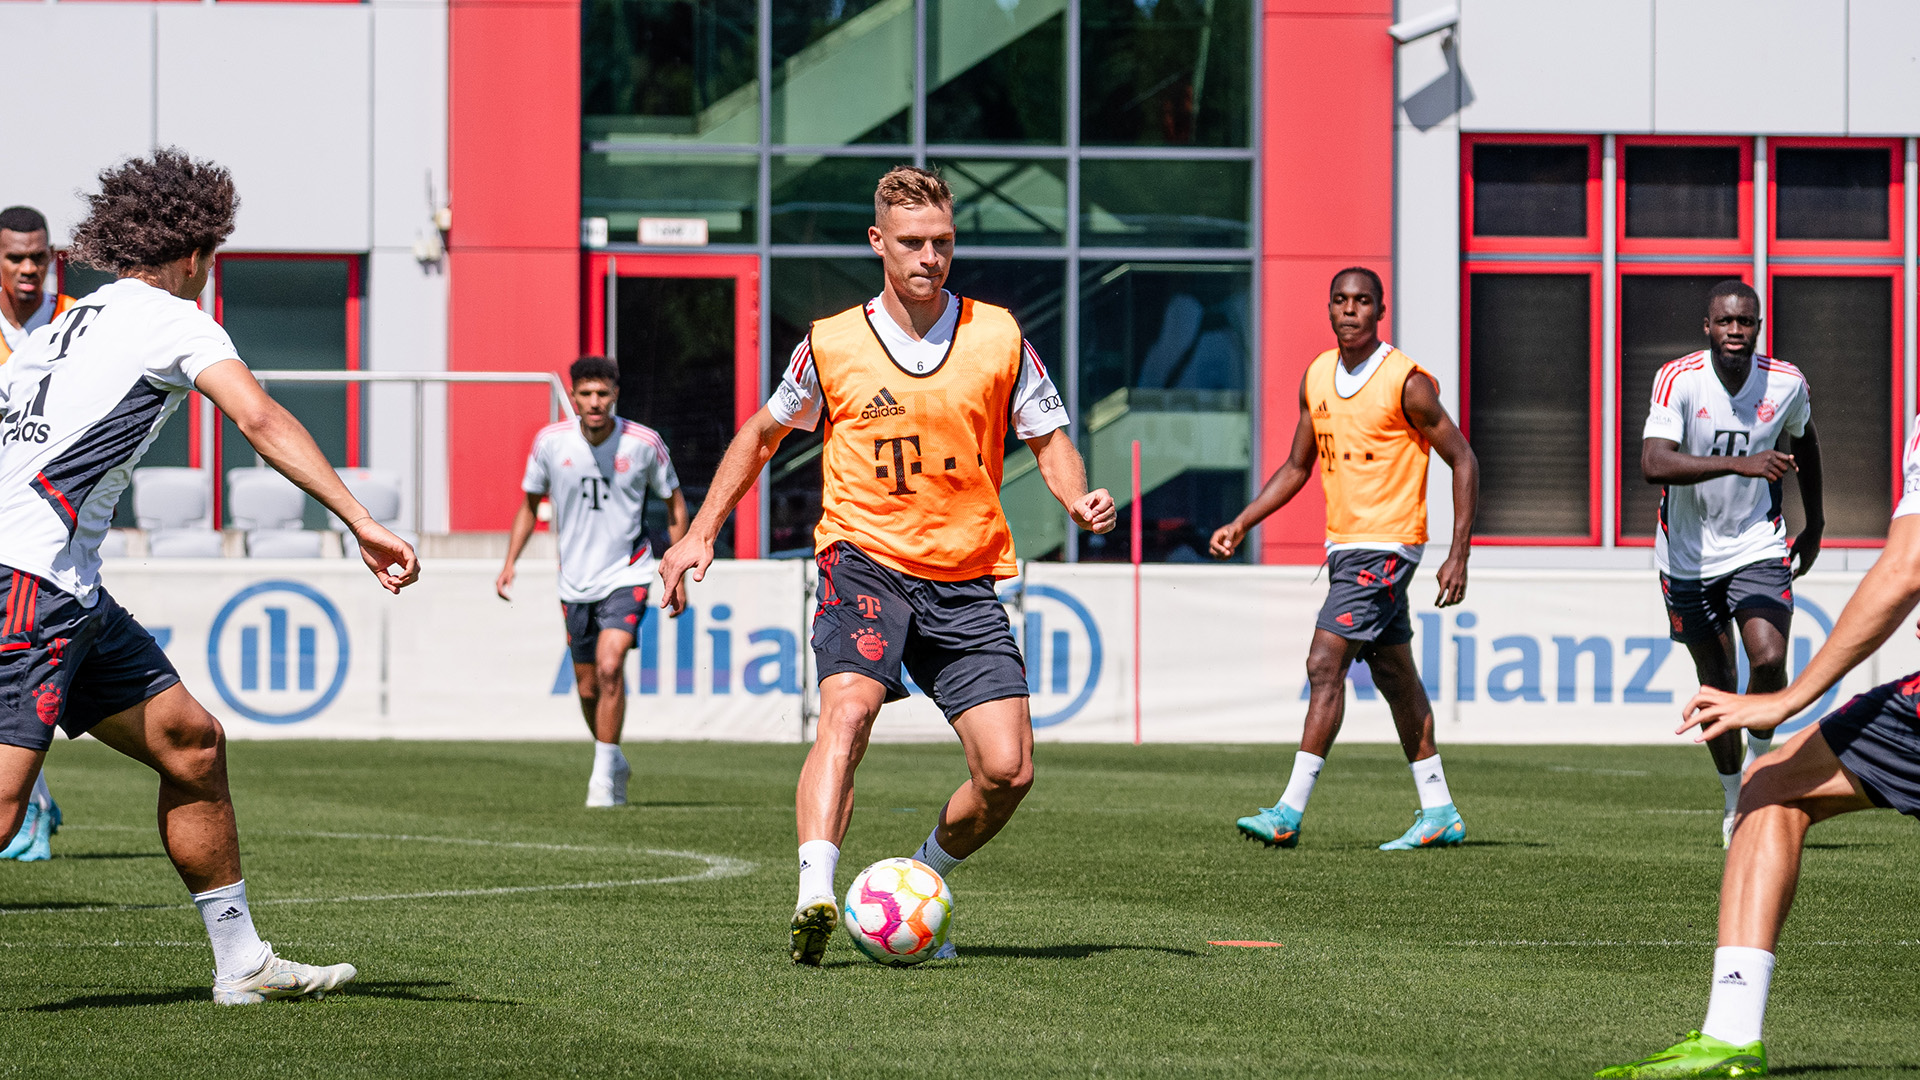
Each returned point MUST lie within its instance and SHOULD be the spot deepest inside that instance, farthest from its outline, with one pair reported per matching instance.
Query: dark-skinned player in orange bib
(918, 389)
(1371, 415)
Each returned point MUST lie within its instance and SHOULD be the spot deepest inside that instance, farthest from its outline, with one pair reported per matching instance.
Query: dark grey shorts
(1699, 609)
(64, 664)
(1367, 597)
(1877, 737)
(621, 610)
(953, 637)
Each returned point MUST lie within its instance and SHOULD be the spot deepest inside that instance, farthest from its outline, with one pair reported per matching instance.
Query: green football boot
(1697, 1055)
(1438, 827)
(1275, 826)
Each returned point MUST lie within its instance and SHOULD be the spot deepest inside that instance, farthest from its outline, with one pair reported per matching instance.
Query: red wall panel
(514, 250)
(1327, 203)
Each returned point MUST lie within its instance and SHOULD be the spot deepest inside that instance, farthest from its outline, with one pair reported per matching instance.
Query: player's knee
(609, 679)
(844, 728)
(1004, 781)
(1326, 669)
(195, 749)
(1775, 780)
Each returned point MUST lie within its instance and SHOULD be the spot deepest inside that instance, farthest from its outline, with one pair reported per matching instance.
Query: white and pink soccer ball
(896, 912)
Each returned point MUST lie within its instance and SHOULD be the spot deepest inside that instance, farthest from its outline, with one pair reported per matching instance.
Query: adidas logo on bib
(883, 404)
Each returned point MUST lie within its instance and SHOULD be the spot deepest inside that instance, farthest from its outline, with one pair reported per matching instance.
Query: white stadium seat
(175, 508)
(114, 544)
(183, 544)
(283, 544)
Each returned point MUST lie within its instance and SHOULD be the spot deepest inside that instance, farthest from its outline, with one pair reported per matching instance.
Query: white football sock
(1731, 781)
(1306, 771)
(1756, 749)
(1431, 781)
(818, 859)
(237, 948)
(42, 795)
(936, 856)
(1739, 1003)
(607, 760)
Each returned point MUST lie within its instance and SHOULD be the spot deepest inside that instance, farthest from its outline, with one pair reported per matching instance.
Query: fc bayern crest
(1765, 410)
(621, 464)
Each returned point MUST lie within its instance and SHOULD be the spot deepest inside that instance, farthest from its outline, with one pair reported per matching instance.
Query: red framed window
(1530, 394)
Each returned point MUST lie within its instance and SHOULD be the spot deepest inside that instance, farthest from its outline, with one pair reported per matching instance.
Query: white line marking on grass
(717, 866)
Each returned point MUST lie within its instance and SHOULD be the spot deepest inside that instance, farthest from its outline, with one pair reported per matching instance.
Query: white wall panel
(1883, 67)
(1760, 67)
(1557, 65)
(279, 94)
(406, 330)
(86, 71)
(410, 120)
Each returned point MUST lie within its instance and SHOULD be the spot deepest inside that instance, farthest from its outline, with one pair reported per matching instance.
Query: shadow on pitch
(126, 1001)
(417, 991)
(396, 991)
(1810, 1070)
(116, 855)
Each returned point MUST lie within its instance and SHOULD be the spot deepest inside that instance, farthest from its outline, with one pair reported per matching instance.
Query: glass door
(685, 330)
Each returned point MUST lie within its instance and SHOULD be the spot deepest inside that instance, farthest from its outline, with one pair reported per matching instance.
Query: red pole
(1135, 530)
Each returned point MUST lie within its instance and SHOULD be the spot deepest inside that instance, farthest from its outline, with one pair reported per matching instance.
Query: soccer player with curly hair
(80, 402)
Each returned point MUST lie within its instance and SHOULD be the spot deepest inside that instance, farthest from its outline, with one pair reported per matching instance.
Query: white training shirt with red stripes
(1718, 526)
(599, 496)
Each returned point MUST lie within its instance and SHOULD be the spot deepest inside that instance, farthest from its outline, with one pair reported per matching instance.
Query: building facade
(1159, 189)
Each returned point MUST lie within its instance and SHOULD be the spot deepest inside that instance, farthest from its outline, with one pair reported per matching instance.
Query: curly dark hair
(150, 212)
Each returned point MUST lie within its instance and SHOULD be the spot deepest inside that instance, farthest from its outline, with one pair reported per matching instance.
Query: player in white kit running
(80, 402)
(1714, 433)
(598, 471)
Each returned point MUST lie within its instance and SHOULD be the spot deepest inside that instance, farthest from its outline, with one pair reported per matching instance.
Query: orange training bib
(911, 464)
(1373, 461)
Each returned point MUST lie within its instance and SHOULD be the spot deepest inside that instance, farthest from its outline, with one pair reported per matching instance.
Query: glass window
(842, 72)
(1163, 359)
(669, 70)
(1131, 203)
(1839, 332)
(1690, 192)
(824, 200)
(996, 73)
(1831, 193)
(1662, 317)
(1529, 407)
(803, 290)
(290, 314)
(676, 355)
(1017, 202)
(1530, 189)
(1166, 72)
(625, 186)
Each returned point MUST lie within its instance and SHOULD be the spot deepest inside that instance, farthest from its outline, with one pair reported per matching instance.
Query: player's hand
(1716, 712)
(1226, 540)
(1768, 465)
(692, 555)
(504, 582)
(390, 558)
(1095, 511)
(1806, 548)
(1453, 580)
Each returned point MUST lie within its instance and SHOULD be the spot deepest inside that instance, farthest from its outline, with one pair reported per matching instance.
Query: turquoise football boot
(1275, 826)
(1438, 827)
(1695, 1056)
(23, 839)
(58, 817)
(39, 846)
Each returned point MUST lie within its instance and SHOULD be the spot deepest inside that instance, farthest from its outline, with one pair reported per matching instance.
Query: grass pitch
(503, 930)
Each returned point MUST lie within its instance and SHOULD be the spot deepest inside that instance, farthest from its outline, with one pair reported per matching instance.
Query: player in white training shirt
(25, 258)
(80, 401)
(1714, 433)
(597, 471)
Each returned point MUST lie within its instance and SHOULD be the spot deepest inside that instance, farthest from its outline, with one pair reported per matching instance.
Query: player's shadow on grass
(116, 855)
(1056, 952)
(1810, 1070)
(64, 905)
(399, 991)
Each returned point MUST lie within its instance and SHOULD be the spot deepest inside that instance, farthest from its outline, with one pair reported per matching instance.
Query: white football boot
(610, 790)
(1726, 828)
(278, 978)
(813, 925)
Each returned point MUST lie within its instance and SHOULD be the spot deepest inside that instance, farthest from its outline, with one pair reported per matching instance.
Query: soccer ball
(897, 911)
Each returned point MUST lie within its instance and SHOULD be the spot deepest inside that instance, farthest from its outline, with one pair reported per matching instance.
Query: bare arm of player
(1806, 458)
(1884, 598)
(287, 446)
(1420, 400)
(523, 521)
(1280, 488)
(749, 452)
(1662, 462)
(1066, 476)
(676, 517)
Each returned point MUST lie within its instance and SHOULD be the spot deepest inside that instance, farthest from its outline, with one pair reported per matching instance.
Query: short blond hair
(910, 185)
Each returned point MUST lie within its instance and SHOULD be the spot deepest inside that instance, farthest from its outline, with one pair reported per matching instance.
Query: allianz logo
(703, 652)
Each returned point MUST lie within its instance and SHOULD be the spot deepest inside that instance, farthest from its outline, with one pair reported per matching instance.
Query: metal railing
(558, 406)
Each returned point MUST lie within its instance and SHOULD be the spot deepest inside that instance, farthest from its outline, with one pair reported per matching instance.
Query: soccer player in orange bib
(918, 389)
(1371, 415)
